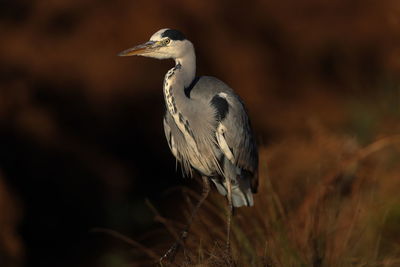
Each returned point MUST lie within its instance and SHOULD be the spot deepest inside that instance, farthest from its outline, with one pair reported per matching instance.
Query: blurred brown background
(81, 137)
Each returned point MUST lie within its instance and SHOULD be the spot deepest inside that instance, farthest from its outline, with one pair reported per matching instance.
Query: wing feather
(235, 137)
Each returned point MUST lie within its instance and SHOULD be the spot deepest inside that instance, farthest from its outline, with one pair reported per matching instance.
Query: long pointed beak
(139, 49)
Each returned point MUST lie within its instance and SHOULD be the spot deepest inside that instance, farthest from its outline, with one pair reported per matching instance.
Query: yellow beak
(139, 49)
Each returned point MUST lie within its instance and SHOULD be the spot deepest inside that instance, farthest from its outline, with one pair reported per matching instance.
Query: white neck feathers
(187, 70)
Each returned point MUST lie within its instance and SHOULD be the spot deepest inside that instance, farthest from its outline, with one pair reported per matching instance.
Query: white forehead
(158, 35)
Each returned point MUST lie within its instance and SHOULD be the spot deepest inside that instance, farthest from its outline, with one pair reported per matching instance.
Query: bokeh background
(81, 137)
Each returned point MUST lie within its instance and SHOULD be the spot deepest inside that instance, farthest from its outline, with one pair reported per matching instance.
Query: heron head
(165, 43)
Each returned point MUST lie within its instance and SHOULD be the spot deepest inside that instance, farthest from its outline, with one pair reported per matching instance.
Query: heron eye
(167, 41)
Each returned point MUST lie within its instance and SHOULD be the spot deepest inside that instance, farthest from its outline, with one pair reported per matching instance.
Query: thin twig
(127, 240)
(162, 220)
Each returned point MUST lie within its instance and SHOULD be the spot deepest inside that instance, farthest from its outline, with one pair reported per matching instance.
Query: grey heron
(205, 123)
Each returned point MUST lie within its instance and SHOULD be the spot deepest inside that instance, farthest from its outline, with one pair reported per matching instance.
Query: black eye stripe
(173, 35)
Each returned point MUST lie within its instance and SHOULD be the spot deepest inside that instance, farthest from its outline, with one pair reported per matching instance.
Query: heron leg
(229, 214)
(203, 197)
(180, 242)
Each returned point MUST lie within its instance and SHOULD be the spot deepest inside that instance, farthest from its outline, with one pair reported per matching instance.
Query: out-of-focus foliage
(82, 145)
(11, 248)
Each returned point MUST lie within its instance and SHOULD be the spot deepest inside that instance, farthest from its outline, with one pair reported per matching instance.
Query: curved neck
(187, 70)
(176, 80)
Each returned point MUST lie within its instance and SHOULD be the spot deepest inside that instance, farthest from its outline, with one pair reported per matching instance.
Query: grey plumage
(206, 124)
(211, 161)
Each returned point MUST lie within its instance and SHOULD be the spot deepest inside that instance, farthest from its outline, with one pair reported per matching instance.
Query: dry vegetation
(324, 200)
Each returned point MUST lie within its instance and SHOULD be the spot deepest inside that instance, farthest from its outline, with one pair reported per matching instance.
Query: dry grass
(323, 201)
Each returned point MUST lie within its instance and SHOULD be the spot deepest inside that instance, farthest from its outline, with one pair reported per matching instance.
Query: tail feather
(241, 188)
(242, 198)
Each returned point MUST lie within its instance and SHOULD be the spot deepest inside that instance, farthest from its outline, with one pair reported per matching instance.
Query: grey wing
(176, 143)
(170, 139)
(234, 135)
